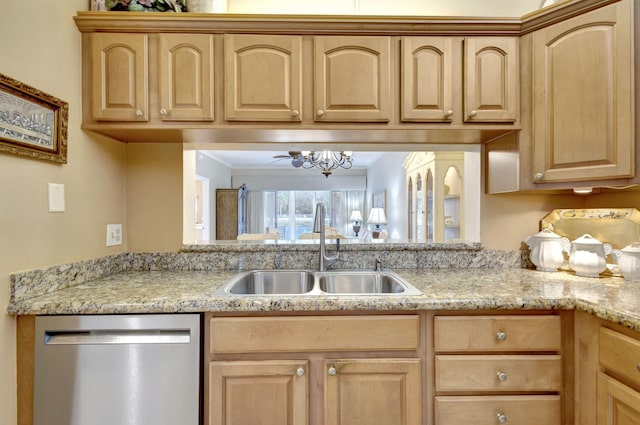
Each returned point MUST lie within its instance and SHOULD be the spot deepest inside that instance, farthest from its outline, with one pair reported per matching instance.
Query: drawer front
(492, 410)
(497, 333)
(313, 333)
(620, 354)
(498, 373)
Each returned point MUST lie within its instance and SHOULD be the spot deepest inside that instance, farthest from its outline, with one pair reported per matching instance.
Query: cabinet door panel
(268, 392)
(427, 79)
(373, 392)
(582, 76)
(617, 403)
(352, 78)
(263, 77)
(491, 79)
(120, 89)
(186, 77)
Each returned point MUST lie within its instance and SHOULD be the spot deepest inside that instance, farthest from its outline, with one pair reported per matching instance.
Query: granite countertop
(609, 298)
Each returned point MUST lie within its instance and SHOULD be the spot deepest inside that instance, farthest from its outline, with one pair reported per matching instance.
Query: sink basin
(307, 282)
(364, 282)
(272, 282)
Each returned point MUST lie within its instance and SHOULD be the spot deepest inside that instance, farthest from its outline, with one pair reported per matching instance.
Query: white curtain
(255, 212)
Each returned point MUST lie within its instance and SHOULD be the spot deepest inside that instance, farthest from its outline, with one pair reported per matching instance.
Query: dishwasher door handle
(104, 337)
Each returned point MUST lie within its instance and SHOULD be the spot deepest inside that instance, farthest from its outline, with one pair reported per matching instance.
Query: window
(292, 212)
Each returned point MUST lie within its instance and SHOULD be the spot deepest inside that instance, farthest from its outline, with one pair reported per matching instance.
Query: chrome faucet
(319, 227)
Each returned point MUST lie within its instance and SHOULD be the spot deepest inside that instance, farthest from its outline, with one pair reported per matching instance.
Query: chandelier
(327, 161)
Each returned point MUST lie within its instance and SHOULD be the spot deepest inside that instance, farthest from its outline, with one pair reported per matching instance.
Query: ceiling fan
(297, 159)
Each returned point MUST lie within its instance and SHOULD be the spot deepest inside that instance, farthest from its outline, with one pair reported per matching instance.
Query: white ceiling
(261, 159)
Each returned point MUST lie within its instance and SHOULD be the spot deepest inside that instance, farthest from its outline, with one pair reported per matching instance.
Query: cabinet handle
(139, 113)
(638, 367)
(163, 112)
(502, 418)
(473, 114)
(501, 336)
(332, 371)
(295, 113)
(320, 112)
(300, 371)
(448, 114)
(501, 376)
(538, 177)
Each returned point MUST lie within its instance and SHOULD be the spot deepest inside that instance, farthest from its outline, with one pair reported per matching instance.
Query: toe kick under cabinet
(313, 370)
(498, 369)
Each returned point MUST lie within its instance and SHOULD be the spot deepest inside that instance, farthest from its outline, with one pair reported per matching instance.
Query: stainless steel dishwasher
(117, 370)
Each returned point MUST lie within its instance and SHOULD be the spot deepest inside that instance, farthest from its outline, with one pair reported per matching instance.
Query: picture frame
(32, 123)
(379, 199)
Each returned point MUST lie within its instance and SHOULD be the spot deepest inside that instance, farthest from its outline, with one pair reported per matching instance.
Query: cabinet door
(373, 391)
(491, 74)
(263, 78)
(352, 78)
(186, 77)
(427, 79)
(266, 392)
(583, 98)
(119, 70)
(617, 403)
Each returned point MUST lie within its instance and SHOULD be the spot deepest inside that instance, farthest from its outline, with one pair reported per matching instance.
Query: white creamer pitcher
(629, 261)
(547, 250)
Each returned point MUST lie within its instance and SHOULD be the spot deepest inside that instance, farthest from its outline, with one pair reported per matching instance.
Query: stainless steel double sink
(309, 282)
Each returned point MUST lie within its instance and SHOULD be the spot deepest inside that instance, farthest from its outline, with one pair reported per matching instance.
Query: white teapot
(547, 250)
(588, 257)
(629, 261)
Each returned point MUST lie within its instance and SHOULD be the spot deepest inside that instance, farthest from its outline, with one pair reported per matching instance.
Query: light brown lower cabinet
(618, 404)
(491, 410)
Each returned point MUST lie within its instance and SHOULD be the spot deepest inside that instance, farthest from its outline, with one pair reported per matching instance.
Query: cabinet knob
(473, 114)
(300, 371)
(295, 113)
(501, 336)
(332, 371)
(139, 113)
(448, 114)
(320, 112)
(502, 418)
(638, 367)
(501, 376)
(163, 112)
(538, 177)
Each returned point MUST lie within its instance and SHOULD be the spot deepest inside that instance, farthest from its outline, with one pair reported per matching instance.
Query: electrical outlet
(114, 234)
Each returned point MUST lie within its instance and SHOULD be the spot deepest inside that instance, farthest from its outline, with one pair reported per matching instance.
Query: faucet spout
(319, 227)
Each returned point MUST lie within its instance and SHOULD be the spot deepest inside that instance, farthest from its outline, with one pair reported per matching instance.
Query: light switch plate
(56, 197)
(114, 234)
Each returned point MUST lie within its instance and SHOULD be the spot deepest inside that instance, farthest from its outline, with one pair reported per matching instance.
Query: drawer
(498, 373)
(490, 410)
(497, 333)
(313, 333)
(620, 355)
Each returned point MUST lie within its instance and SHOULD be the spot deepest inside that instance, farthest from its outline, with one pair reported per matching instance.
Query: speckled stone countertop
(164, 291)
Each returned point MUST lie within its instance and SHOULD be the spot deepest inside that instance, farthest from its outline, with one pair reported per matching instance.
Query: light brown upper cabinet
(263, 77)
(491, 79)
(583, 126)
(119, 72)
(186, 77)
(121, 86)
(460, 80)
(352, 78)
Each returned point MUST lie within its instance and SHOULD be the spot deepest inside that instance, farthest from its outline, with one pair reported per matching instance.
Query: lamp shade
(377, 216)
(356, 215)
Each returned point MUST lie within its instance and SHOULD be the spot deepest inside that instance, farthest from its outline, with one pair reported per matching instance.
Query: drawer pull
(502, 418)
(332, 371)
(501, 336)
(501, 376)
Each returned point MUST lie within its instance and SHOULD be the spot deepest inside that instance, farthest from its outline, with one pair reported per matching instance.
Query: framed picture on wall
(32, 123)
(379, 200)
